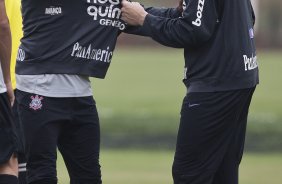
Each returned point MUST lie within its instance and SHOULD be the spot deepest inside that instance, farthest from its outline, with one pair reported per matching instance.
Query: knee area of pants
(86, 181)
(176, 174)
(44, 181)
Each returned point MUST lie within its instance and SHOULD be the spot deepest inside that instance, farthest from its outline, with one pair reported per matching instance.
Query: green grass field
(154, 167)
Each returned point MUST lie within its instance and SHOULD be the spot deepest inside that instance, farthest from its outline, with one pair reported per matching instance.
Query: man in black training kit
(221, 74)
(8, 138)
(65, 42)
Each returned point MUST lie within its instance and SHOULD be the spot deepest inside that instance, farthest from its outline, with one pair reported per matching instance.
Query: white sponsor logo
(21, 55)
(198, 21)
(53, 11)
(114, 2)
(114, 23)
(90, 53)
(107, 15)
(250, 63)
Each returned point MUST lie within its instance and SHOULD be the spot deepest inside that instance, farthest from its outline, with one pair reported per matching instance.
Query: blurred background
(140, 99)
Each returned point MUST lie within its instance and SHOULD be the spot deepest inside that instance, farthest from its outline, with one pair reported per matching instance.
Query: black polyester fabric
(69, 124)
(8, 138)
(218, 41)
(211, 137)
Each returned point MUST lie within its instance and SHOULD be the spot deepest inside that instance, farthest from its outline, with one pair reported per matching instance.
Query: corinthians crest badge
(35, 103)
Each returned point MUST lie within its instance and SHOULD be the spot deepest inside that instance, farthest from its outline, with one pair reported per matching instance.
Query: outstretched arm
(160, 12)
(195, 27)
(5, 49)
(167, 12)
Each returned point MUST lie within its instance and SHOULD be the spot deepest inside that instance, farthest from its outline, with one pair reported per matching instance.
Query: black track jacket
(72, 36)
(218, 41)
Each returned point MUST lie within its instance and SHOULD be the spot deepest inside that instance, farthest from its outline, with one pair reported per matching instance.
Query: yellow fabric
(13, 8)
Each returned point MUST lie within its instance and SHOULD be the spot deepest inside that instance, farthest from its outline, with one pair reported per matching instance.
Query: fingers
(12, 100)
(10, 93)
(125, 3)
(133, 13)
(128, 4)
(11, 97)
(125, 10)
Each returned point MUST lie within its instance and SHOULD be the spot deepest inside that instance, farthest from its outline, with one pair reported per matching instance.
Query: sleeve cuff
(148, 22)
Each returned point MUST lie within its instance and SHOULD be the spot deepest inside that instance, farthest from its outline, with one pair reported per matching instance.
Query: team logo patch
(36, 103)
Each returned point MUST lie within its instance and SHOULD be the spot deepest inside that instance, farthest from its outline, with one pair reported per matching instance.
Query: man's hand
(133, 13)
(10, 93)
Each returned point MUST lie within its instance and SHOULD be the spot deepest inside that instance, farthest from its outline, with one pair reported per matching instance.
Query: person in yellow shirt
(13, 8)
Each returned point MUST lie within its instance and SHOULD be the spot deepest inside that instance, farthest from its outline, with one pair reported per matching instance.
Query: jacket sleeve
(195, 27)
(164, 12)
(160, 12)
